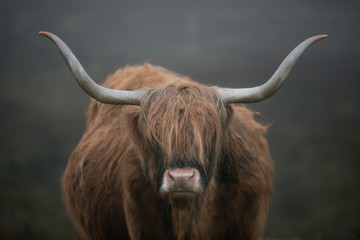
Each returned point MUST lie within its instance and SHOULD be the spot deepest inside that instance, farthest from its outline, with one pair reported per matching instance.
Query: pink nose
(181, 174)
(181, 179)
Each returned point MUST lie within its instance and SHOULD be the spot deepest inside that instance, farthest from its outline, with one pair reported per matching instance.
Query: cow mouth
(182, 192)
(182, 199)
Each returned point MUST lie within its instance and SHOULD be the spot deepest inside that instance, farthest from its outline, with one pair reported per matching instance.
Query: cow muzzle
(181, 181)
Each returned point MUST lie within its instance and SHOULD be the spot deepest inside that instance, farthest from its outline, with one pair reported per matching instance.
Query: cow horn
(262, 92)
(102, 94)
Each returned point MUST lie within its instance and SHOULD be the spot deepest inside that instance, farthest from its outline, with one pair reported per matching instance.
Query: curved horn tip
(43, 33)
(47, 34)
(318, 37)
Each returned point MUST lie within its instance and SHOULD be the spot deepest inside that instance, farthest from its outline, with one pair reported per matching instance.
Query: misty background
(315, 117)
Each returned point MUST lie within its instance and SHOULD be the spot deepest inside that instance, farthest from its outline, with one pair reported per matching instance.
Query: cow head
(179, 129)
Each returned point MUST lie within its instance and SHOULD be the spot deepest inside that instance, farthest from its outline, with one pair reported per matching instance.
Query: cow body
(112, 182)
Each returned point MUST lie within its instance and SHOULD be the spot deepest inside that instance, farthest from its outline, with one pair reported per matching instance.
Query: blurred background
(315, 117)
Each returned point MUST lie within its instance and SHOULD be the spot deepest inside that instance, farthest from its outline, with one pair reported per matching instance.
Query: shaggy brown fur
(111, 183)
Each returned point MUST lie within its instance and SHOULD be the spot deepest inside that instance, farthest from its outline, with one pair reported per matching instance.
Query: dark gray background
(314, 137)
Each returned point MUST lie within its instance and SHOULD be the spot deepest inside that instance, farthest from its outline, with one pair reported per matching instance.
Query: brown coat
(110, 185)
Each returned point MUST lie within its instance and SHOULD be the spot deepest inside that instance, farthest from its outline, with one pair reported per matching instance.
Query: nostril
(170, 176)
(192, 175)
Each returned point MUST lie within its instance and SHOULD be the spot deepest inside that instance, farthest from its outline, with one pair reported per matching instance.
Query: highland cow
(168, 158)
